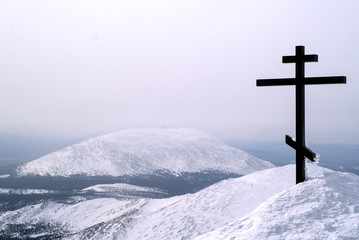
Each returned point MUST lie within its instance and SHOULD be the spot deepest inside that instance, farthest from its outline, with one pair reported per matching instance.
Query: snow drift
(143, 151)
(325, 207)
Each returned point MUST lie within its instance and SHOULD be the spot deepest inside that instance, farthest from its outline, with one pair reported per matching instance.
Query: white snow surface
(142, 151)
(118, 187)
(325, 207)
(262, 205)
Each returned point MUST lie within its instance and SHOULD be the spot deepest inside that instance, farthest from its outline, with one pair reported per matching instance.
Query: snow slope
(143, 151)
(184, 216)
(326, 207)
(188, 216)
(262, 205)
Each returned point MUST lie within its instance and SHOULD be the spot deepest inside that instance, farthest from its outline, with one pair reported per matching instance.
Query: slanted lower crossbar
(307, 152)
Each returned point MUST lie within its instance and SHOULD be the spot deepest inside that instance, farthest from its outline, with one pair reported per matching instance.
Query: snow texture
(325, 207)
(262, 205)
(143, 151)
(317, 158)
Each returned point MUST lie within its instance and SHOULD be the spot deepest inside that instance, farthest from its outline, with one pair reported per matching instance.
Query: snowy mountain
(262, 205)
(143, 151)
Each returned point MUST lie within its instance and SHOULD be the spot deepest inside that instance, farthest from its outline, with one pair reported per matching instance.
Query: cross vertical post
(300, 81)
(299, 59)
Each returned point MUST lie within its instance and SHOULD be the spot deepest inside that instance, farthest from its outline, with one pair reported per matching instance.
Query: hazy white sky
(83, 68)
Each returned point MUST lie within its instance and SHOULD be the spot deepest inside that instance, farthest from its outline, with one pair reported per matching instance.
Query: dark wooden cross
(300, 81)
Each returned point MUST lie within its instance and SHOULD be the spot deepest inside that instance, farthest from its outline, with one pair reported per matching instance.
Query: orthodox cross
(300, 81)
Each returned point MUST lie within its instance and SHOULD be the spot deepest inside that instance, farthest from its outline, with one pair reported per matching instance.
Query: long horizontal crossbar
(307, 81)
(307, 152)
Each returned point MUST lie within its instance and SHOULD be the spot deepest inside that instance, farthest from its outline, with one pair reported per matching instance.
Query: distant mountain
(262, 205)
(144, 151)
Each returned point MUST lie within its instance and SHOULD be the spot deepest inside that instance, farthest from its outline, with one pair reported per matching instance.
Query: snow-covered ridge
(184, 216)
(261, 205)
(142, 151)
(24, 191)
(119, 188)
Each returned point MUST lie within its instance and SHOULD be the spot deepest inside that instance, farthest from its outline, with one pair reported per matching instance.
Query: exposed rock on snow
(143, 151)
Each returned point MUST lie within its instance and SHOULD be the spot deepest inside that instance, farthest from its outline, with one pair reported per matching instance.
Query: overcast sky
(83, 68)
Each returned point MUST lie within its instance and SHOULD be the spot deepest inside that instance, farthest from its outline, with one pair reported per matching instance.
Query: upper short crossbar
(304, 58)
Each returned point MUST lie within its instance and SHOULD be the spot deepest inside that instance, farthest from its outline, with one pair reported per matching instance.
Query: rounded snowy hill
(144, 151)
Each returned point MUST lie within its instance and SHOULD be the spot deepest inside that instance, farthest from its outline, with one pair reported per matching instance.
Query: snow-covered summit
(143, 151)
(325, 207)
